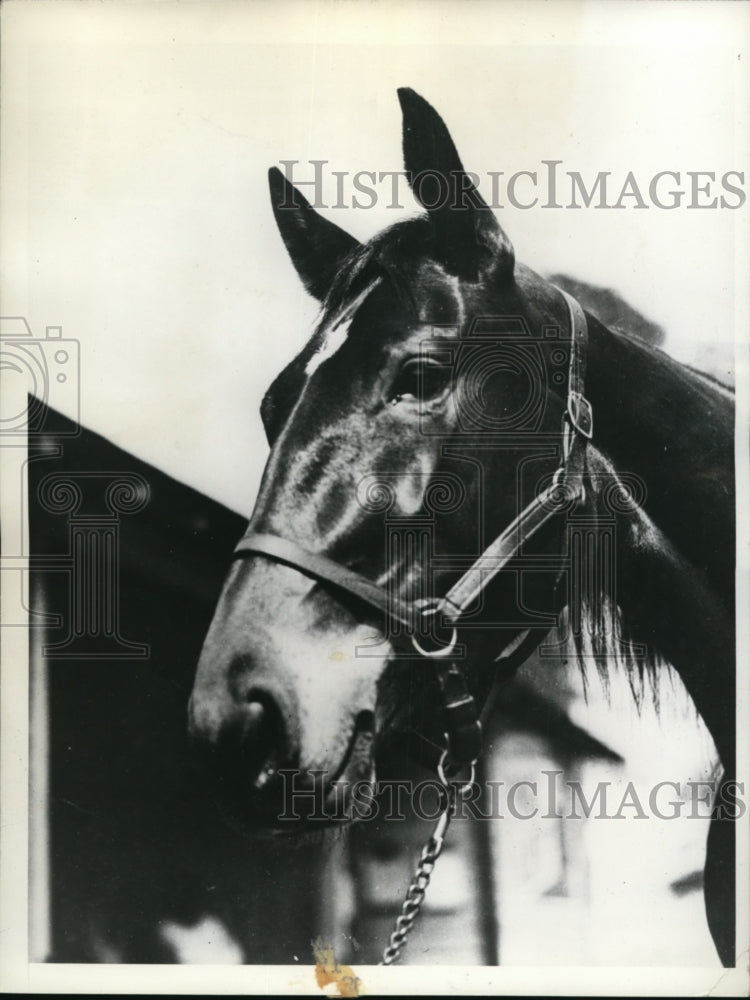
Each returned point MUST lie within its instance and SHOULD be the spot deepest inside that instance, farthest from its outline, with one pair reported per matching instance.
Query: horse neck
(675, 557)
(675, 430)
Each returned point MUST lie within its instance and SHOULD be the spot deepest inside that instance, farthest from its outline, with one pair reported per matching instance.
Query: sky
(136, 140)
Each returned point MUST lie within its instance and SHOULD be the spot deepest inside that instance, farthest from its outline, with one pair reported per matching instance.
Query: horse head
(433, 419)
(430, 343)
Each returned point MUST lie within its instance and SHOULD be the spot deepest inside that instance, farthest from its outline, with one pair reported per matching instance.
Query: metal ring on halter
(461, 790)
(442, 651)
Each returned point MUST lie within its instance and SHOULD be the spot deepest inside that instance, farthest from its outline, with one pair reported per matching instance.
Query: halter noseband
(464, 728)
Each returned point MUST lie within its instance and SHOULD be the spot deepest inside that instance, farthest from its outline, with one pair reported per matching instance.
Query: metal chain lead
(431, 851)
(415, 893)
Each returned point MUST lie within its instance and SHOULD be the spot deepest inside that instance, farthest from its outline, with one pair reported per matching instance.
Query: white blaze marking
(335, 337)
(333, 340)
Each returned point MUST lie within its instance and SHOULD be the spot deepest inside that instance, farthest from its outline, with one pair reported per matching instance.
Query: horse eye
(421, 380)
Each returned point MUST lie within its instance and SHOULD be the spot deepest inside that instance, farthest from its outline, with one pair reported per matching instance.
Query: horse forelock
(403, 257)
(399, 258)
(333, 334)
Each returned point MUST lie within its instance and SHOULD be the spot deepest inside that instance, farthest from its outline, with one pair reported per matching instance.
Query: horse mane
(611, 309)
(619, 647)
(617, 650)
(713, 380)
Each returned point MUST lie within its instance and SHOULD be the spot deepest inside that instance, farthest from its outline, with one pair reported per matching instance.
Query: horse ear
(468, 239)
(317, 247)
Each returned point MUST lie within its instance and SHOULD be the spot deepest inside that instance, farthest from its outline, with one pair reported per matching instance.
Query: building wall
(141, 865)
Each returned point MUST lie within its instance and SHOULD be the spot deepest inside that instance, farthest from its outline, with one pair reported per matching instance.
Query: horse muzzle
(254, 772)
(274, 713)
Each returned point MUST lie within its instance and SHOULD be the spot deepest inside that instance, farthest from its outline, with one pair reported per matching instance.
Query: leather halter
(566, 487)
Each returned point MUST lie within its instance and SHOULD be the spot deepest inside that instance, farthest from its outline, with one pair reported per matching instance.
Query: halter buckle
(580, 414)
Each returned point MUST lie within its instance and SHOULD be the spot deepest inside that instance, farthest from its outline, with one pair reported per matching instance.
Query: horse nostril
(263, 740)
(256, 718)
(238, 748)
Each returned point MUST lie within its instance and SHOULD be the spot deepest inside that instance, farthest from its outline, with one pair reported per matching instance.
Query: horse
(455, 430)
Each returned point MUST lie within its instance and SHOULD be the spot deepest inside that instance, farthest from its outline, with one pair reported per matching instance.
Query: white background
(137, 139)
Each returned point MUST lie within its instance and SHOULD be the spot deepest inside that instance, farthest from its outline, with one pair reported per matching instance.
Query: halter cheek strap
(566, 487)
